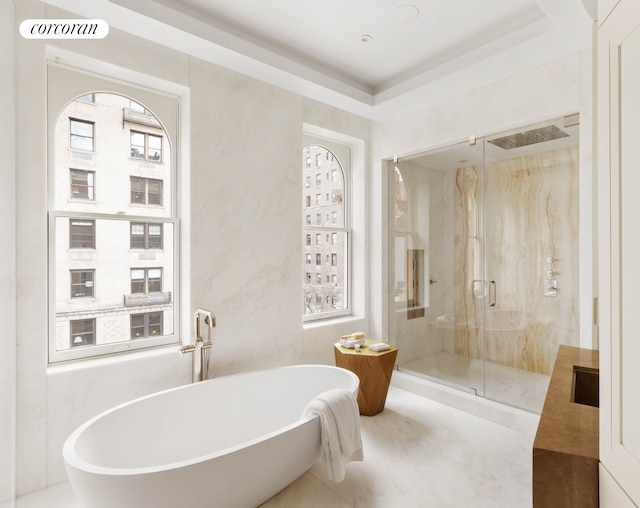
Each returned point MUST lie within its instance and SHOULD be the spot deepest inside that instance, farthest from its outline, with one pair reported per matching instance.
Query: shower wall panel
(531, 240)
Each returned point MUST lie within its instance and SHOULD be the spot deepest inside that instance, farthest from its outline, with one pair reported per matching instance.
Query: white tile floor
(515, 387)
(418, 453)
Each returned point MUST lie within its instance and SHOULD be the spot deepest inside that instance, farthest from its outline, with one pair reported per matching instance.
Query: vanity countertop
(565, 449)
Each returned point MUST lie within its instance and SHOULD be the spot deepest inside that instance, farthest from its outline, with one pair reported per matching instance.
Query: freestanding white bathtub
(234, 441)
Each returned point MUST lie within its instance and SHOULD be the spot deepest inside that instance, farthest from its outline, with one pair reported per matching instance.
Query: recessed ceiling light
(365, 38)
(408, 13)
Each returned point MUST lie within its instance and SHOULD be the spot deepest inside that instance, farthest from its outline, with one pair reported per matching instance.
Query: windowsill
(330, 321)
(113, 358)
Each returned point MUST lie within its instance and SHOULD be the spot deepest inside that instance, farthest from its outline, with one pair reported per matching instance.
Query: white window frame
(72, 76)
(342, 152)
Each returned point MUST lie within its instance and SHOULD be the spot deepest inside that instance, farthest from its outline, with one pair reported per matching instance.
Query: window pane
(138, 187)
(155, 148)
(137, 236)
(137, 145)
(81, 283)
(82, 234)
(137, 326)
(81, 184)
(82, 332)
(155, 236)
(81, 135)
(155, 192)
(155, 280)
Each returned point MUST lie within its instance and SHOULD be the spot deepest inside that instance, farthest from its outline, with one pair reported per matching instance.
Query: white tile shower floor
(418, 453)
(516, 387)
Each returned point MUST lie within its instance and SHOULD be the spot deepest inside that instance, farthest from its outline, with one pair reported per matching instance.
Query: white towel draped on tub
(340, 423)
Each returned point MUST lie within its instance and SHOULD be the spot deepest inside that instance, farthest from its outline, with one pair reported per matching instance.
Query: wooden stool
(373, 369)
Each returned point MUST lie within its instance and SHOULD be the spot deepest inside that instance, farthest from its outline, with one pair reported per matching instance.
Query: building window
(146, 325)
(307, 182)
(82, 234)
(308, 201)
(146, 280)
(83, 332)
(146, 146)
(146, 235)
(146, 191)
(308, 240)
(81, 135)
(109, 261)
(90, 98)
(82, 184)
(82, 283)
(330, 298)
(307, 163)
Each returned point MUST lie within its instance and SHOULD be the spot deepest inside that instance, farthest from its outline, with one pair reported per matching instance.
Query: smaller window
(146, 236)
(307, 164)
(334, 260)
(318, 278)
(82, 234)
(82, 283)
(318, 199)
(334, 280)
(146, 191)
(146, 280)
(308, 277)
(318, 180)
(318, 259)
(146, 325)
(90, 97)
(308, 259)
(308, 200)
(146, 146)
(308, 239)
(83, 332)
(82, 184)
(334, 175)
(318, 159)
(81, 135)
(308, 220)
(307, 183)
(318, 219)
(318, 238)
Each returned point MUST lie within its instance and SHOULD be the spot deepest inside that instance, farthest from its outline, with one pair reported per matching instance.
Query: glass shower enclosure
(483, 261)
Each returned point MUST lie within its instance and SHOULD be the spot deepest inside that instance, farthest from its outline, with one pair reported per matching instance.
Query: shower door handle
(492, 300)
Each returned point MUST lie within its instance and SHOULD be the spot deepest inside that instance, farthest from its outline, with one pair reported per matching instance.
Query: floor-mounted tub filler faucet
(200, 347)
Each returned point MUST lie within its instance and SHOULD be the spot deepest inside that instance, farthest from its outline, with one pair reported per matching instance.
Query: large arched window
(113, 226)
(326, 231)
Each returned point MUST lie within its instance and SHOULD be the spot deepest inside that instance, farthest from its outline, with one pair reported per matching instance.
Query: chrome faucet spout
(199, 347)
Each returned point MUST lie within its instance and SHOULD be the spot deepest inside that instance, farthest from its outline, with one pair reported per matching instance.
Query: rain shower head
(520, 139)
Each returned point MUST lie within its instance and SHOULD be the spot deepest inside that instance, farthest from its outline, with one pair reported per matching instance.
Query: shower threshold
(518, 388)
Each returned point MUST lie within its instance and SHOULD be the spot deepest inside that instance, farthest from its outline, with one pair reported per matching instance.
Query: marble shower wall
(531, 215)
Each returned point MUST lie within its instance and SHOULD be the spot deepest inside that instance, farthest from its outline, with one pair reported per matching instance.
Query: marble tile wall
(245, 141)
(531, 214)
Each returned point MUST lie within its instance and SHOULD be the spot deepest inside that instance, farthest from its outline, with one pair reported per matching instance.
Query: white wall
(245, 250)
(560, 87)
(7, 259)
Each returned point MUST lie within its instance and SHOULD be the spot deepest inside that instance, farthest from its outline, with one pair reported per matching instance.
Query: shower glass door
(483, 261)
(436, 269)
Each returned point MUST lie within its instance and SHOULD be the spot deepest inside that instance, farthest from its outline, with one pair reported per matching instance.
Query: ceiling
(376, 58)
